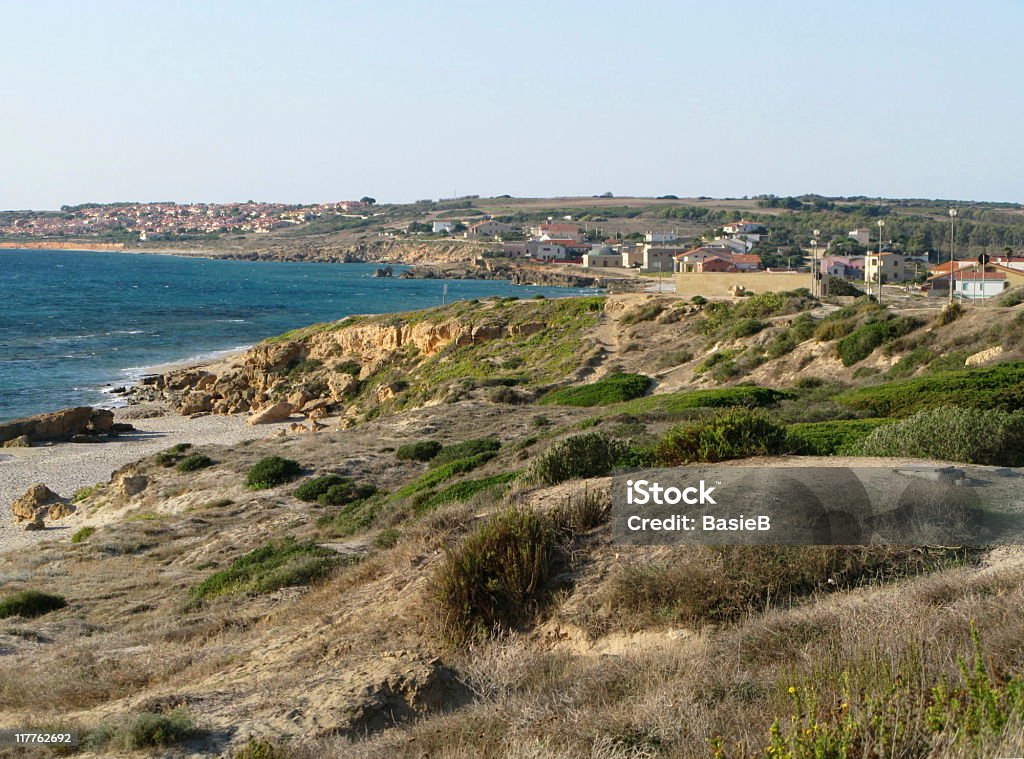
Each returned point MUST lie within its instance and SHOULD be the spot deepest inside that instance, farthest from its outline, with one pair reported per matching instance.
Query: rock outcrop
(38, 503)
(279, 412)
(59, 425)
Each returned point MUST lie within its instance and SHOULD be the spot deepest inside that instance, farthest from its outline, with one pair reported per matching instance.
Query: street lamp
(878, 268)
(815, 287)
(952, 222)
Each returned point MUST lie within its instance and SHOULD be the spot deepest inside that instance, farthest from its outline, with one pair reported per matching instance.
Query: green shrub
(172, 455)
(463, 491)
(84, 492)
(841, 287)
(747, 327)
(346, 492)
(348, 367)
(860, 343)
(312, 489)
(352, 517)
(279, 564)
(699, 300)
(82, 534)
(485, 446)
(194, 462)
(995, 387)
(732, 434)
(504, 394)
(423, 450)
(304, 367)
(614, 388)
(540, 421)
(30, 603)
(272, 471)
(833, 438)
(497, 578)
(968, 435)
(950, 314)
(592, 454)
(143, 730)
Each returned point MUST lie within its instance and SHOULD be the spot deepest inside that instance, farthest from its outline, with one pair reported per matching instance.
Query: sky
(401, 100)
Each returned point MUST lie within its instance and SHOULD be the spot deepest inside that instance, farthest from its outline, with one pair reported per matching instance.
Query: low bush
(272, 471)
(348, 367)
(719, 584)
(82, 534)
(732, 434)
(353, 516)
(497, 578)
(304, 367)
(996, 387)
(85, 492)
(950, 314)
(832, 438)
(505, 394)
(345, 492)
(842, 287)
(463, 491)
(614, 388)
(423, 450)
(860, 343)
(279, 564)
(312, 489)
(172, 455)
(540, 421)
(142, 731)
(592, 454)
(194, 462)
(30, 603)
(484, 446)
(747, 327)
(968, 435)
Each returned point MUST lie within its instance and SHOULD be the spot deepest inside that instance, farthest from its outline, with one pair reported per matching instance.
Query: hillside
(435, 574)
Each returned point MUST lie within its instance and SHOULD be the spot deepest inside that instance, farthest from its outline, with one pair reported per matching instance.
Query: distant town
(153, 221)
(721, 254)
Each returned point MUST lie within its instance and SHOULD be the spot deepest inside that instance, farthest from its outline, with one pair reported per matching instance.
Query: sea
(74, 325)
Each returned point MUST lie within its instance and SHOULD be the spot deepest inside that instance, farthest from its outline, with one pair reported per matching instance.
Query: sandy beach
(66, 467)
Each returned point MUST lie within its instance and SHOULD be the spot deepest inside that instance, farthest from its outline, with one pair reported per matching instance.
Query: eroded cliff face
(322, 370)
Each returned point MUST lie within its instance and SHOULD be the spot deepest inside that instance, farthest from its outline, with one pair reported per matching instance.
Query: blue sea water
(73, 324)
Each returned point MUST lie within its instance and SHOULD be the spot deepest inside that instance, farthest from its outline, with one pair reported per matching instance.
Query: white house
(545, 251)
(443, 226)
(887, 268)
(657, 237)
(740, 227)
(970, 285)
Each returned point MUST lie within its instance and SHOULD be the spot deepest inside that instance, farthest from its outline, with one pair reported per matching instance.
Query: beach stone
(60, 510)
(85, 439)
(119, 427)
(37, 524)
(101, 420)
(195, 403)
(36, 502)
(22, 441)
(127, 481)
(298, 428)
(279, 412)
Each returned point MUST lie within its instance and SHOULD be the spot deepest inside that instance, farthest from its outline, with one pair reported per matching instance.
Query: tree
(368, 199)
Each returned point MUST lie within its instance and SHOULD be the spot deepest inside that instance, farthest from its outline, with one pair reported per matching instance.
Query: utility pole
(878, 268)
(815, 273)
(952, 222)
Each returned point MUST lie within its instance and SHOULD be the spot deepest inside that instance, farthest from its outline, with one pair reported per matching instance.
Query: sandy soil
(66, 467)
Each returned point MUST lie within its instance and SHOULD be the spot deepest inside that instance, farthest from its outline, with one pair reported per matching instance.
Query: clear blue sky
(308, 101)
